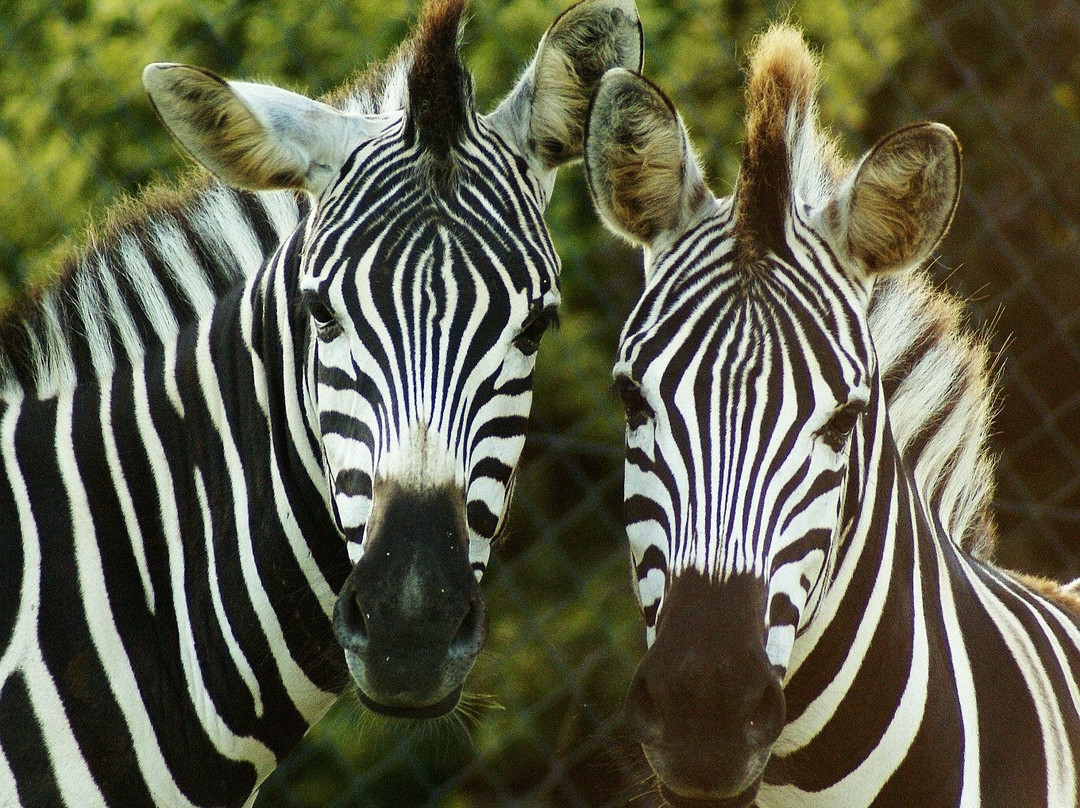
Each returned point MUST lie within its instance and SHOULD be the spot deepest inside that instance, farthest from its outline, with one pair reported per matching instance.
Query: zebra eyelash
(540, 320)
(326, 322)
(840, 425)
(638, 411)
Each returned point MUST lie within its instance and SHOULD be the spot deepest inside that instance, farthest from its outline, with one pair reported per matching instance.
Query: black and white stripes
(806, 485)
(255, 444)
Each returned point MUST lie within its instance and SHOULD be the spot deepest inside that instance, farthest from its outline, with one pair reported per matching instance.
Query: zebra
(257, 440)
(819, 633)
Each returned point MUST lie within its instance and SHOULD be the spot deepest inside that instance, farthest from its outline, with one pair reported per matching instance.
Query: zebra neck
(281, 560)
(871, 625)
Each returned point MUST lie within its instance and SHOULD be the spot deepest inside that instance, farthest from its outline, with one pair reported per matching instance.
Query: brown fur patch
(782, 79)
(1064, 596)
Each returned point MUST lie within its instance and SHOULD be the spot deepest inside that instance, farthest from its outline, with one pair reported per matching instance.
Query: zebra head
(751, 387)
(417, 292)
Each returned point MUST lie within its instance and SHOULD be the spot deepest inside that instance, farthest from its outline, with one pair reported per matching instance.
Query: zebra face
(743, 396)
(425, 318)
(732, 468)
(418, 289)
(751, 394)
(425, 322)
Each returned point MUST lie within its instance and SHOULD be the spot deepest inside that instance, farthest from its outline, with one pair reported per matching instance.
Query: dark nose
(410, 616)
(663, 704)
(705, 702)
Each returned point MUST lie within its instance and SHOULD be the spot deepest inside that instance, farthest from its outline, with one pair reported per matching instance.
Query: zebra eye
(637, 408)
(838, 428)
(538, 322)
(322, 315)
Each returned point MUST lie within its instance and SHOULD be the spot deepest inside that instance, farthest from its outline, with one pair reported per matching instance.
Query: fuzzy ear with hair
(544, 115)
(643, 176)
(895, 207)
(254, 136)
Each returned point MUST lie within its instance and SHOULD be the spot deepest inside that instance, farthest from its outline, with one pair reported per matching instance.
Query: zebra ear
(253, 136)
(895, 208)
(544, 115)
(643, 176)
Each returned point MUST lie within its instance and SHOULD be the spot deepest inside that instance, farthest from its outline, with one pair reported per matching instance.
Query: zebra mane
(935, 370)
(941, 395)
(156, 262)
(163, 258)
(784, 156)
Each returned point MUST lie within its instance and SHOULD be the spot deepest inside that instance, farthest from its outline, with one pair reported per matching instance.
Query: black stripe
(22, 743)
(11, 554)
(63, 633)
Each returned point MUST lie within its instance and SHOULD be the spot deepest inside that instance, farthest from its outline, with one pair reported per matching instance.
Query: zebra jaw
(436, 710)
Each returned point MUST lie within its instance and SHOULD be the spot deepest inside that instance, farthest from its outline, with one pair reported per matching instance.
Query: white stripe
(24, 634)
(970, 796)
(147, 286)
(90, 305)
(118, 313)
(73, 777)
(167, 240)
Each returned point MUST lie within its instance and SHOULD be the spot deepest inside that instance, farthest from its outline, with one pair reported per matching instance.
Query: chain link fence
(542, 725)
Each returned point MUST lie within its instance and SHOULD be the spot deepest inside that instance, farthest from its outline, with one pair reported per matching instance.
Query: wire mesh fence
(542, 725)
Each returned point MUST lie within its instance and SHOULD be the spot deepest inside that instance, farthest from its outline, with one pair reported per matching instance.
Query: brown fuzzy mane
(782, 80)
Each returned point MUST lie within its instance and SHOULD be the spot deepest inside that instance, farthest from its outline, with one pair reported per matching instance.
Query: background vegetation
(76, 133)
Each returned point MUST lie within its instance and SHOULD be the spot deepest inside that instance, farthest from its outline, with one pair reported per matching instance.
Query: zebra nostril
(351, 617)
(473, 627)
(766, 718)
(642, 714)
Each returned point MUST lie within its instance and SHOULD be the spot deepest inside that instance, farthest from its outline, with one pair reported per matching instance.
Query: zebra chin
(745, 799)
(413, 705)
(686, 780)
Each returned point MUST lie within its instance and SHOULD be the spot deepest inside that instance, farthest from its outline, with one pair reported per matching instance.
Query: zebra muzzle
(410, 617)
(705, 702)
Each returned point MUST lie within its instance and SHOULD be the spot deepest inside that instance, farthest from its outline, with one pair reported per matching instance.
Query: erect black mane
(440, 95)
